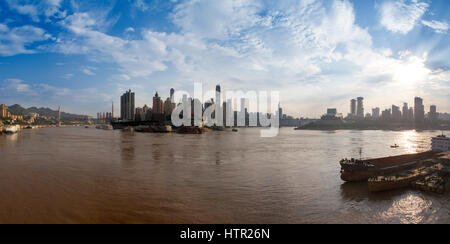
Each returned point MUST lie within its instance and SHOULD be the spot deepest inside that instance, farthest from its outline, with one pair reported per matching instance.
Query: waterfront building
(331, 111)
(360, 107)
(172, 95)
(168, 107)
(157, 104)
(375, 113)
(433, 115)
(419, 110)
(127, 108)
(405, 111)
(386, 114)
(4, 113)
(396, 113)
(353, 108)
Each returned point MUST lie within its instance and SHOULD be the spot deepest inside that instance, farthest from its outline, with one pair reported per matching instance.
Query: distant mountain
(19, 110)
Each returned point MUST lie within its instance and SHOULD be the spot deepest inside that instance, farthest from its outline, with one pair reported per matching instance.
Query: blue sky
(83, 54)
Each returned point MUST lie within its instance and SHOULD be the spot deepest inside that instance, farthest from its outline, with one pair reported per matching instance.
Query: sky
(83, 55)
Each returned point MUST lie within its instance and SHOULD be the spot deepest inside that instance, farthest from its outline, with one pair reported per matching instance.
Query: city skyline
(85, 55)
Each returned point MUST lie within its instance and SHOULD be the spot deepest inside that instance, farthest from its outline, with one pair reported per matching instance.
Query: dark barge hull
(385, 166)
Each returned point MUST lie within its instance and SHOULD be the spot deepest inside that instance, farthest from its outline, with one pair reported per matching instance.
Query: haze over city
(84, 54)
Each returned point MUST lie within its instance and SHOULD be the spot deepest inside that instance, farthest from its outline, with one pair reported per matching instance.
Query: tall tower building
(405, 111)
(360, 107)
(127, 109)
(172, 95)
(433, 115)
(157, 104)
(353, 107)
(419, 110)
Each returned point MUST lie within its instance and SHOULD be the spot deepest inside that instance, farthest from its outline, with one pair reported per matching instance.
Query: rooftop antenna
(360, 153)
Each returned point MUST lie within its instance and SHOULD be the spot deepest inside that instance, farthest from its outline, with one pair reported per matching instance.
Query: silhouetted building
(360, 107)
(386, 114)
(375, 113)
(396, 113)
(419, 110)
(157, 104)
(405, 111)
(172, 95)
(331, 112)
(127, 109)
(353, 107)
(433, 115)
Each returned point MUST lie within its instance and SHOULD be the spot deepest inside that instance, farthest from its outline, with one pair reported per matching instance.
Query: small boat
(12, 129)
(234, 130)
(395, 146)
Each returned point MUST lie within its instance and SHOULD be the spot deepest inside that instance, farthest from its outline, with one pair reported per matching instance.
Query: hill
(19, 110)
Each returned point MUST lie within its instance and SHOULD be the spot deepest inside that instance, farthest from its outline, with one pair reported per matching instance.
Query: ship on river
(363, 169)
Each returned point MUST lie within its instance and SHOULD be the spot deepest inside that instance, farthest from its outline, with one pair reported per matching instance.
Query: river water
(78, 175)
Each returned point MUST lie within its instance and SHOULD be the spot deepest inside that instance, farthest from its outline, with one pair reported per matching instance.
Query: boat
(234, 130)
(440, 143)
(104, 127)
(12, 129)
(395, 146)
(398, 181)
(191, 130)
(361, 170)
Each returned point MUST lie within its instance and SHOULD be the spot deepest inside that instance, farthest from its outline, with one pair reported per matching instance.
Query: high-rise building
(396, 113)
(331, 111)
(419, 110)
(172, 95)
(127, 109)
(3, 111)
(157, 104)
(405, 111)
(360, 107)
(168, 107)
(218, 94)
(353, 107)
(433, 115)
(375, 113)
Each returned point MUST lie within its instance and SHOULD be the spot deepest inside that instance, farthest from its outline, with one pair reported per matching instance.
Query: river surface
(78, 175)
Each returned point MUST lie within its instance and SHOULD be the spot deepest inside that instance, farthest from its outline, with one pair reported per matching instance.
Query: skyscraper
(172, 95)
(157, 104)
(433, 115)
(127, 109)
(375, 113)
(396, 113)
(353, 107)
(360, 107)
(419, 110)
(405, 111)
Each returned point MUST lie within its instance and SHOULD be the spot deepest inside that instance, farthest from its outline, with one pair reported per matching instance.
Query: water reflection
(127, 149)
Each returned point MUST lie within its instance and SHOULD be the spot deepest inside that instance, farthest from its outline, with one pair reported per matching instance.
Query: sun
(411, 71)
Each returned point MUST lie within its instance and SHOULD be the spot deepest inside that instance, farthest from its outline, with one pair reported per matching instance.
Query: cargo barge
(362, 170)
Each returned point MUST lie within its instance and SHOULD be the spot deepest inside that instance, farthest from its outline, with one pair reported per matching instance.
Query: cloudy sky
(317, 54)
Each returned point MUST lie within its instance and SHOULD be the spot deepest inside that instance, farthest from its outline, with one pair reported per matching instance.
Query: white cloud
(401, 16)
(87, 71)
(437, 26)
(15, 41)
(37, 9)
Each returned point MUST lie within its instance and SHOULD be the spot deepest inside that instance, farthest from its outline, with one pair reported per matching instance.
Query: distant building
(405, 111)
(168, 107)
(419, 110)
(375, 113)
(157, 104)
(4, 113)
(386, 114)
(360, 107)
(331, 112)
(396, 113)
(353, 107)
(433, 115)
(172, 95)
(127, 109)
